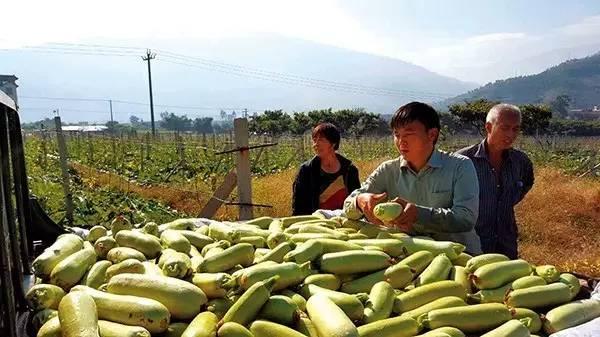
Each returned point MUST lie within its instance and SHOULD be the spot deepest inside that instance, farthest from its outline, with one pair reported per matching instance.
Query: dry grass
(559, 220)
(189, 202)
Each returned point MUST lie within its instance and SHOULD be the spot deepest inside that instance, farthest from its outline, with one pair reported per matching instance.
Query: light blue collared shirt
(445, 191)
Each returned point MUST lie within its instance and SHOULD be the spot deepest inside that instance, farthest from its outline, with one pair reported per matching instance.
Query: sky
(458, 38)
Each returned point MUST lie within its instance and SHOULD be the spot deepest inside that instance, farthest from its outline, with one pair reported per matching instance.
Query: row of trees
(468, 116)
(462, 117)
(534, 118)
(172, 122)
(354, 122)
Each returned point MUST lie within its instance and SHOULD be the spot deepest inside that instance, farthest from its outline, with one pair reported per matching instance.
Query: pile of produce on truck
(291, 277)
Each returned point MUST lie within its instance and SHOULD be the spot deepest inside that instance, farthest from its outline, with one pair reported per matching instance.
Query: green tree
(367, 123)
(134, 120)
(112, 127)
(44, 123)
(203, 125)
(300, 123)
(472, 113)
(272, 122)
(350, 121)
(173, 122)
(560, 105)
(535, 118)
(321, 116)
(222, 126)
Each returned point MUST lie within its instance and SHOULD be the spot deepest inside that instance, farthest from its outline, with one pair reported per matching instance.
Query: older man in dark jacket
(505, 176)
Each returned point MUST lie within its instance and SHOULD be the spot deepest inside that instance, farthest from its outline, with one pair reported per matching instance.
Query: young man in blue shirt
(438, 190)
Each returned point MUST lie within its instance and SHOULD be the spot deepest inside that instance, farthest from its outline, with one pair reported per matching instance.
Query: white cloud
(323, 21)
(588, 26)
(35, 22)
(495, 37)
(458, 58)
(483, 58)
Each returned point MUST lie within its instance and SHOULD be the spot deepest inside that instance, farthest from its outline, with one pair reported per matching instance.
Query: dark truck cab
(25, 229)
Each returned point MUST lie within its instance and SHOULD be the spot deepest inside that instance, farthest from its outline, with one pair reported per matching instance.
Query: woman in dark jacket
(328, 178)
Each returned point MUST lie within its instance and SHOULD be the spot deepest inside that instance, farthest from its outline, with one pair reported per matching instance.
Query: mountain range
(577, 78)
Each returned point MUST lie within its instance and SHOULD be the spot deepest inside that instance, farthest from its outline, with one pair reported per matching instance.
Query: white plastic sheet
(596, 293)
(328, 214)
(81, 232)
(589, 329)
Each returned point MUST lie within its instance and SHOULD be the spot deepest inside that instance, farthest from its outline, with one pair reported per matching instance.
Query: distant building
(8, 84)
(585, 114)
(84, 128)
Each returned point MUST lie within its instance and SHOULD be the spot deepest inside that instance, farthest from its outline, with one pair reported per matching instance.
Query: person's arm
(375, 183)
(462, 216)
(527, 179)
(301, 193)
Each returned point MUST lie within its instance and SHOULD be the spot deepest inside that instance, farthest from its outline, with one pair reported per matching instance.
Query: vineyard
(115, 173)
(182, 159)
(173, 176)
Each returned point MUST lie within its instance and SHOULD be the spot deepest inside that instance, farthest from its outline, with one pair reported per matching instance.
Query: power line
(100, 112)
(290, 79)
(302, 83)
(85, 99)
(58, 51)
(83, 50)
(21, 108)
(243, 69)
(246, 74)
(65, 98)
(259, 71)
(251, 72)
(136, 50)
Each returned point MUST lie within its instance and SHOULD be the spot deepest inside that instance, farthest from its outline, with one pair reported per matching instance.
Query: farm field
(174, 177)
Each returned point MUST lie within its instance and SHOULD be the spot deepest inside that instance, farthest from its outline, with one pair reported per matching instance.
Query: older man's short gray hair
(495, 111)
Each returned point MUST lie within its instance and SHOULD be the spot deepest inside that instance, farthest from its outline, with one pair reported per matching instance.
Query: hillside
(578, 78)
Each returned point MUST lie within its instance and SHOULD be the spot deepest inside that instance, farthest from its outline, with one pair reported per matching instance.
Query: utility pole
(111, 112)
(64, 168)
(150, 56)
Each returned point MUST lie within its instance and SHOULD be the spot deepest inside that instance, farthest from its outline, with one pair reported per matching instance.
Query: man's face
(414, 142)
(503, 132)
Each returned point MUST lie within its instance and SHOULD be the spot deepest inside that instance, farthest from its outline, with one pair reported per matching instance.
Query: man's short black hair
(329, 132)
(416, 111)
